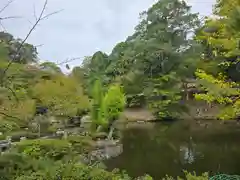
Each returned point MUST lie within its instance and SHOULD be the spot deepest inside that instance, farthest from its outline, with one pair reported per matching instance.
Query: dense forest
(172, 59)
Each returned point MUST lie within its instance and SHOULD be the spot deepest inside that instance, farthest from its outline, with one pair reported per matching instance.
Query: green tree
(62, 95)
(26, 54)
(219, 75)
(113, 104)
(97, 101)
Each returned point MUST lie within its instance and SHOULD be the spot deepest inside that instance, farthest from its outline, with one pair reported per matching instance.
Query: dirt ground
(137, 115)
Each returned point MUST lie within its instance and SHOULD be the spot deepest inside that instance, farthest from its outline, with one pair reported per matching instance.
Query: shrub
(74, 171)
(13, 165)
(8, 126)
(80, 144)
(50, 148)
(113, 104)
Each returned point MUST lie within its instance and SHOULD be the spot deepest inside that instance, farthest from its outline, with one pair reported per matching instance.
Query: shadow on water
(170, 148)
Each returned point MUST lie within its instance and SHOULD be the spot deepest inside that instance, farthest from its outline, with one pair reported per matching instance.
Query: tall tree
(161, 52)
(220, 37)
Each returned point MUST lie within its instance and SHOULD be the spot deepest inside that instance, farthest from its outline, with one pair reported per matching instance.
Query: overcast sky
(83, 27)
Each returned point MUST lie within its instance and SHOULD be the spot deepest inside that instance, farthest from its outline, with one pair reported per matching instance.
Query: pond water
(160, 149)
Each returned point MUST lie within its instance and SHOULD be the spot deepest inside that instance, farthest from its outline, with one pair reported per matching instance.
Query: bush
(22, 167)
(50, 148)
(81, 144)
(190, 176)
(74, 171)
(13, 165)
(8, 126)
(113, 104)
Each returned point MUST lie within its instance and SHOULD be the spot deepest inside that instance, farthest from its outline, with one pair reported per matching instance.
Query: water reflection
(171, 148)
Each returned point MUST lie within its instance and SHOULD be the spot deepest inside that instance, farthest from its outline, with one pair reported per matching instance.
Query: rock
(86, 119)
(85, 122)
(100, 135)
(106, 152)
(106, 143)
(60, 132)
(22, 138)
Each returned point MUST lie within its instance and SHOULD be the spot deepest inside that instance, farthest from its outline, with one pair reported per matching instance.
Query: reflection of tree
(147, 151)
(162, 150)
(187, 152)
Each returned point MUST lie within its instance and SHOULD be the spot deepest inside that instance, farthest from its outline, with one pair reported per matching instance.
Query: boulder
(86, 122)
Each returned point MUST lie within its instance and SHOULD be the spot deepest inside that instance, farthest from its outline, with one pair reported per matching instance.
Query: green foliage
(190, 176)
(63, 95)
(21, 167)
(220, 38)
(164, 98)
(159, 49)
(73, 171)
(10, 46)
(54, 149)
(97, 95)
(221, 91)
(106, 108)
(80, 144)
(113, 104)
(8, 126)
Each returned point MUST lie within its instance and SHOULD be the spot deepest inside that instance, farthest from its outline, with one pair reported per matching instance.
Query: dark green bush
(13, 165)
(74, 171)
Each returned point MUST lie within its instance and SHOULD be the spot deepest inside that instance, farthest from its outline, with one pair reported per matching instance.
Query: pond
(169, 148)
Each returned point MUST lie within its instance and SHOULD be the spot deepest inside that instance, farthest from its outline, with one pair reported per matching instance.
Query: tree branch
(40, 18)
(14, 94)
(10, 17)
(8, 3)
(69, 60)
(2, 113)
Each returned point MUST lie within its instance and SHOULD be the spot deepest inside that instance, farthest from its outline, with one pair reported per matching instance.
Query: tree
(97, 102)
(220, 38)
(219, 90)
(113, 104)
(162, 50)
(62, 95)
(106, 107)
(27, 54)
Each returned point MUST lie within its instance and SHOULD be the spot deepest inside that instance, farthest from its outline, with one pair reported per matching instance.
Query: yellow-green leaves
(113, 103)
(107, 108)
(219, 90)
(63, 95)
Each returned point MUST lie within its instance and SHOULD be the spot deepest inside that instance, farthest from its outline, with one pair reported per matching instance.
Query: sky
(82, 27)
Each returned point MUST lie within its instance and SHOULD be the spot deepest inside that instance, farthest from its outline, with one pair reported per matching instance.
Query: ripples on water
(170, 148)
